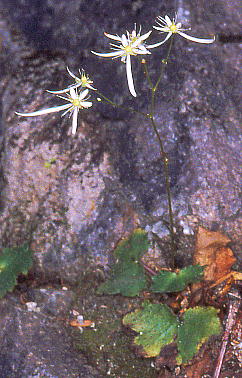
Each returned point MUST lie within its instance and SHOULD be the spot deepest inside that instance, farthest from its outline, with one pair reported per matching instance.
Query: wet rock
(73, 198)
(34, 344)
(53, 302)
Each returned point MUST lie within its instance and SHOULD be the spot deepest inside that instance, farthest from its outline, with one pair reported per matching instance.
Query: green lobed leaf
(156, 325)
(13, 261)
(197, 325)
(169, 282)
(127, 275)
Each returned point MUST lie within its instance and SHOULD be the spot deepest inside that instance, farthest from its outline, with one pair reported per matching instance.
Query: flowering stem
(164, 157)
(164, 62)
(146, 72)
(115, 105)
(162, 151)
(168, 189)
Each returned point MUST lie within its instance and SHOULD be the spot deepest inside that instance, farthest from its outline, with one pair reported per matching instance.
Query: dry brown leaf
(212, 251)
(206, 238)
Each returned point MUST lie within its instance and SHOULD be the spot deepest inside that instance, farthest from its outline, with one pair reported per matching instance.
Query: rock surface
(35, 344)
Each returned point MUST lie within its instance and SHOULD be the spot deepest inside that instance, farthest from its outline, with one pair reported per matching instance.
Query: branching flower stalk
(115, 105)
(130, 45)
(153, 89)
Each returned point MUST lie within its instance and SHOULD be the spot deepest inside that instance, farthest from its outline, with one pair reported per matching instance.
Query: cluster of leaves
(128, 275)
(13, 261)
(156, 324)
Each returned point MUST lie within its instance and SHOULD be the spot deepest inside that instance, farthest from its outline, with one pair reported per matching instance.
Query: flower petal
(74, 86)
(161, 21)
(45, 111)
(74, 121)
(199, 40)
(110, 54)
(168, 20)
(142, 38)
(86, 104)
(160, 43)
(141, 49)
(162, 29)
(70, 73)
(67, 111)
(129, 76)
(90, 87)
(83, 94)
(111, 36)
(73, 93)
(65, 98)
(125, 40)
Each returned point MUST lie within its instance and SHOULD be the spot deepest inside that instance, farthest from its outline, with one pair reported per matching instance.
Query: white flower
(171, 27)
(76, 101)
(83, 81)
(132, 44)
